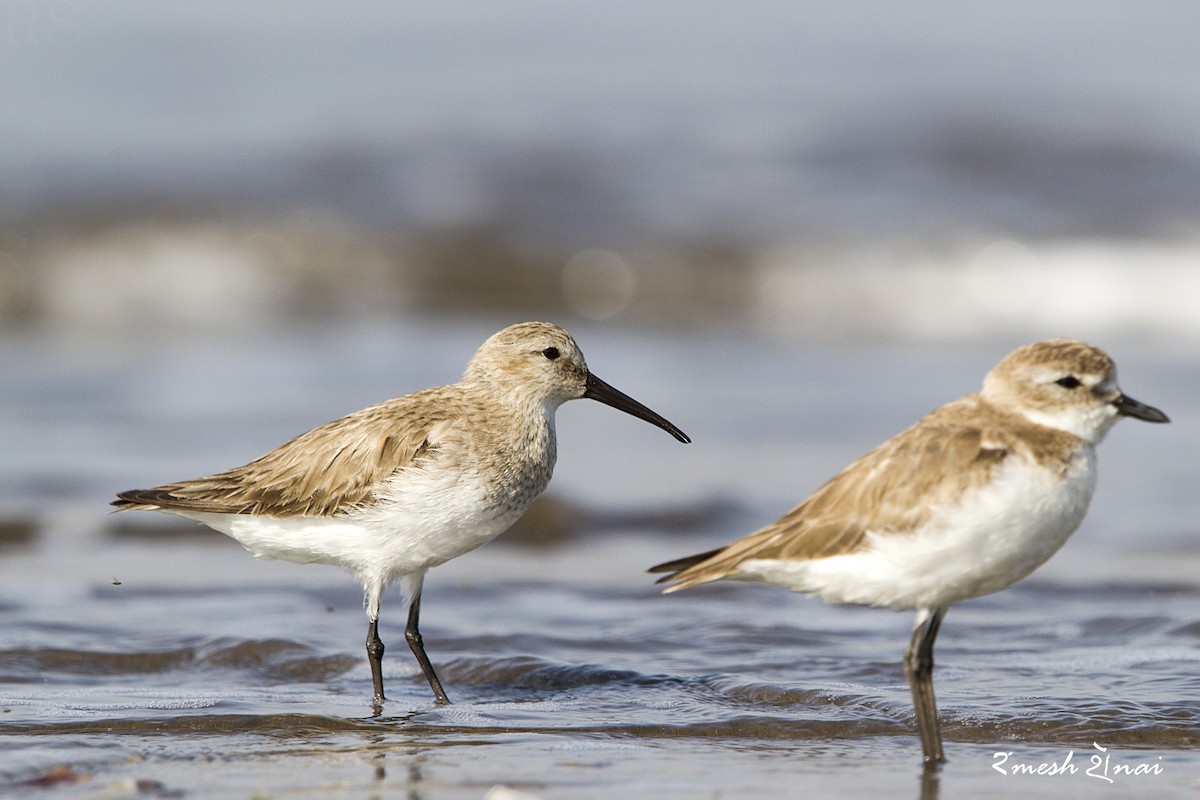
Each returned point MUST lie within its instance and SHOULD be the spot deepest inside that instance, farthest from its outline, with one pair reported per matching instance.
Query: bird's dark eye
(1069, 382)
(551, 353)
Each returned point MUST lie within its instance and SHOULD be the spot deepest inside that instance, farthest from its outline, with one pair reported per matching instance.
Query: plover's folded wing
(892, 490)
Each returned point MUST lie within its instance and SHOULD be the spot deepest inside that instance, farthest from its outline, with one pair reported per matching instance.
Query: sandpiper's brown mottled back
(394, 489)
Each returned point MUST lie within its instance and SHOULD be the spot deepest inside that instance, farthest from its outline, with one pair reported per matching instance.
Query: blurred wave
(919, 170)
(199, 273)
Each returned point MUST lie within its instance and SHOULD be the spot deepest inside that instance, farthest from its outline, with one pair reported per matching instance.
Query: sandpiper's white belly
(999, 534)
(422, 519)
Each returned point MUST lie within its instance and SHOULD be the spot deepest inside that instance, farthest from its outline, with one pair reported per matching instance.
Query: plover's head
(539, 363)
(1064, 384)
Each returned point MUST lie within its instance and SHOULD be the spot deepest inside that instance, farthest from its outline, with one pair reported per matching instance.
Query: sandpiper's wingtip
(123, 502)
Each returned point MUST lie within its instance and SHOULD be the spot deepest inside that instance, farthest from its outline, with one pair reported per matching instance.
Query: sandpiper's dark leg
(918, 668)
(413, 634)
(375, 650)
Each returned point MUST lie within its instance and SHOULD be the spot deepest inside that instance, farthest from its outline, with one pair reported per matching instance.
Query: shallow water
(143, 656)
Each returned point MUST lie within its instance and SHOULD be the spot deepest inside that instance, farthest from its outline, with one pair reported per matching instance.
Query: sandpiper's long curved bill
(1129, 407)
(596, 389)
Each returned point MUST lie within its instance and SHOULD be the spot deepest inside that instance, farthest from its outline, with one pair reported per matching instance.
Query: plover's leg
(918, 668)
(413, 634)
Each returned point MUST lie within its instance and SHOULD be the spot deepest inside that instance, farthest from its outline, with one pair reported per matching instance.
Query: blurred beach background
(791, 228)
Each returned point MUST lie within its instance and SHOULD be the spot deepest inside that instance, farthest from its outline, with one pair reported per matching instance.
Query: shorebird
(394, 489)
(966, 502)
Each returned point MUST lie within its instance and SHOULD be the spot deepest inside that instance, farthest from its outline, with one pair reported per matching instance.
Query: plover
(968, 501)
(394, 489)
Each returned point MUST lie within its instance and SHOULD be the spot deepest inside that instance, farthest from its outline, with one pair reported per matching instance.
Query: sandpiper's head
(540, 362)
(1064, 384)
